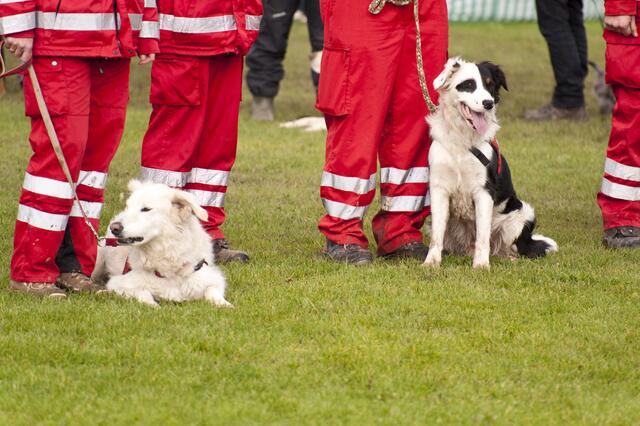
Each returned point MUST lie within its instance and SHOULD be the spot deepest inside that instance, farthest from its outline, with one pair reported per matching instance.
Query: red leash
(17, 70)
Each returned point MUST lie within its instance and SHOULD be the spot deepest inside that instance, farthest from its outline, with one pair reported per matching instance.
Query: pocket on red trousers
(175, 80)
(53, 84)
(334, 97)
(623, 64)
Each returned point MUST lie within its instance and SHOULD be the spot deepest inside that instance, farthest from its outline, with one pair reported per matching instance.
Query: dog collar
(196, 268)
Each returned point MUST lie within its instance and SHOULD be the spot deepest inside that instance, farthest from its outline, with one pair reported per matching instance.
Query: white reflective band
(351, 184)
(173, 179)
(42, 220)
(136, 21)
(400, 176)
(17, 23)
(253, 22)
(150, 30)
(403, 203)
(427, 199)
(344, 211)
(149, 3)
(46, 186)
(96, 180)
(621, 171)
(13, 1)
(91, 209)
(212, 24)
(621, 192)
(208, 198)
(208, 177)
(75, 21)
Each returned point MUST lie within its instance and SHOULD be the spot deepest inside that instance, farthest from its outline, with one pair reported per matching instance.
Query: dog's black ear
(495, 73)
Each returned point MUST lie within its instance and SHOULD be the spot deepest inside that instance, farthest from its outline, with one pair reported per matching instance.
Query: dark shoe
(37, 289)
(622, 237)
(79, 282)
(223, 254)
(348, 253)
(549, 112)
(415, 250)
(262, 109)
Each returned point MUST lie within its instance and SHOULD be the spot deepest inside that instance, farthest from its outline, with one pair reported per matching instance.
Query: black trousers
(264, 61)
(561, 24)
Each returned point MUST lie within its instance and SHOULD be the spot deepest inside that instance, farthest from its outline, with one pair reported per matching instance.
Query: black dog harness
(483, 158)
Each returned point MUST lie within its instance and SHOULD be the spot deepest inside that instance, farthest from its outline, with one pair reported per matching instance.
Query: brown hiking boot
(549, 112)
(622, 237)
(415, 250)
(348, 253)
(37, 289)
(77, 281)
(223, 254)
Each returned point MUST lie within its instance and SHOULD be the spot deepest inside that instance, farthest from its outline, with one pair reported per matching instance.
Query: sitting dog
(168, 252)
(474, 207)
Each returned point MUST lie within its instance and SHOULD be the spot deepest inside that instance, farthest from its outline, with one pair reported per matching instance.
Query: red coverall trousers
(87, 100)
(374, 109)
(193, 130)
(619, 196)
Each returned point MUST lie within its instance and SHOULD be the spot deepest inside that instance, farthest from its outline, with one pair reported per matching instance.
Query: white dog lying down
(474, 207)
(168, 251)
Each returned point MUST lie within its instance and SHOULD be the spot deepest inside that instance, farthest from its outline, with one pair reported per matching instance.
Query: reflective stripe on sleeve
(212, 24)
(150, 3)
(17, 23)
(150, 30)
(253, 22)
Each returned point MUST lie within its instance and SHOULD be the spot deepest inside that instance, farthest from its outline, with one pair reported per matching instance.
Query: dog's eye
(145, 209)
(467, 86)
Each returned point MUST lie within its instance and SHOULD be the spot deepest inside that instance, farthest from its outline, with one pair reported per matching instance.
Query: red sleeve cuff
(147, 46)
(21, 34)
(620, 7)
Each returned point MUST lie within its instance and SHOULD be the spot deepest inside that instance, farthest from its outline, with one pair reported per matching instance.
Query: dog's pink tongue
(479, 122)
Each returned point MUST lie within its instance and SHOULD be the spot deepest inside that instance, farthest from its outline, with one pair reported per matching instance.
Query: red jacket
(83, 28)
(617, 8)
(208, 27)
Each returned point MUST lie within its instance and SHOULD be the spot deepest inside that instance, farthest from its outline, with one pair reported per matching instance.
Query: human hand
(146, 59)
(21, 47)
(624, 24)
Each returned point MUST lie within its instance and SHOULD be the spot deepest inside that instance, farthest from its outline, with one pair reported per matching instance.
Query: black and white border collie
(474, 208)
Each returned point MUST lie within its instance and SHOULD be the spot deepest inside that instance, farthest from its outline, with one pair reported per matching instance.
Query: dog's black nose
(116, 228)
(487, 104)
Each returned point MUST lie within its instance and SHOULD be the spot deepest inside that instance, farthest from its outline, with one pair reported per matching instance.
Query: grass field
(553, 341)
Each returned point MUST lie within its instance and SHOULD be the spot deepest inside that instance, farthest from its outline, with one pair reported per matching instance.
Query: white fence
(508, 10)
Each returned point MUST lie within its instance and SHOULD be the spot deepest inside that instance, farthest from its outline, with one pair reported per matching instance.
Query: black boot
(348, 253)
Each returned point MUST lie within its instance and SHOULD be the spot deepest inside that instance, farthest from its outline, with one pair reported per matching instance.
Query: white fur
(308, 124)
(464, 218)
(173, 243)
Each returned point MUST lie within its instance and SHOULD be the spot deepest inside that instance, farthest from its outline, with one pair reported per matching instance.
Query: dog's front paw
(481, 264)
(222, 304)
(433, 260)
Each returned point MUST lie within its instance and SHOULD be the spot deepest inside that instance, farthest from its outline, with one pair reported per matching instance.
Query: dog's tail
(534, 245)
(596, 68)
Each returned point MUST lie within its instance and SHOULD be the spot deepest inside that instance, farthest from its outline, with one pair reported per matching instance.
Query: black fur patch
(493, 79)
(469, 86)
(527, 246)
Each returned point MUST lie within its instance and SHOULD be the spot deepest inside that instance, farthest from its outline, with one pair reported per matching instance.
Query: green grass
(310, 342)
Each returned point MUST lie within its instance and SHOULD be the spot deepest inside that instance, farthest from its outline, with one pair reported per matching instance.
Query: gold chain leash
(376, 7)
